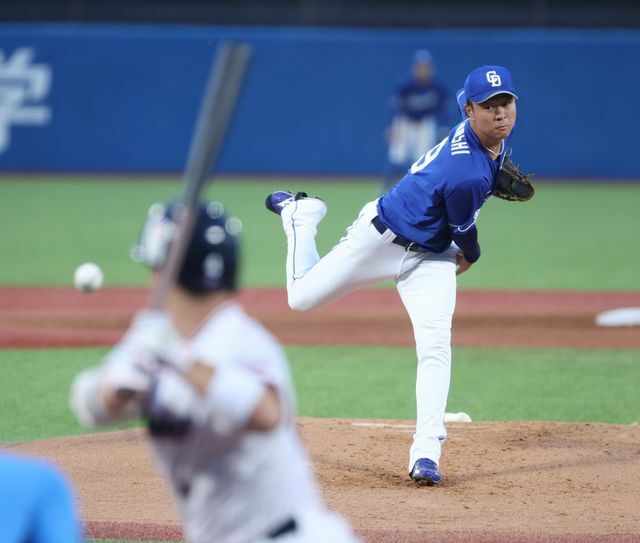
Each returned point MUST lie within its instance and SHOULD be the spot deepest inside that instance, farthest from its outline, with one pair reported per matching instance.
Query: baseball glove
(512, 184)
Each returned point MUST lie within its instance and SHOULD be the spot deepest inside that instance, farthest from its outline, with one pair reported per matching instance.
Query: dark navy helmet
(211, 260)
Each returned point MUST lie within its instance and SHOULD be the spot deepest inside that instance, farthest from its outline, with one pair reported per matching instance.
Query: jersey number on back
(428, 157)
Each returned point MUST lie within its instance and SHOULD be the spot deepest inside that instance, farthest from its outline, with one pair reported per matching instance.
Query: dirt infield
(62, 317)
(521, 482)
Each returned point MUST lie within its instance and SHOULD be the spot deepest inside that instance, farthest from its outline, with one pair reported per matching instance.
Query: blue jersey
(439, 199)
(418, 100)
(36, 505)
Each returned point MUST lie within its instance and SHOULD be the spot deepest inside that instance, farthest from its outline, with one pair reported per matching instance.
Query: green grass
(368, 382)
(53, 225)
(570, 236)
(34, 392)
(498, 384)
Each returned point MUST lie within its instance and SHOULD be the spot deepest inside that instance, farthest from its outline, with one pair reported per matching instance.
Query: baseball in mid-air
(88, 277)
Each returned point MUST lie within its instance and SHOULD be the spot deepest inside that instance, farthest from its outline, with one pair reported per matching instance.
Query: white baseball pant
(426, 283)
(411, 139)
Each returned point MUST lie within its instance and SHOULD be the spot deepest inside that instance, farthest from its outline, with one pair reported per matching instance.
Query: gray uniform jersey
(237, 488)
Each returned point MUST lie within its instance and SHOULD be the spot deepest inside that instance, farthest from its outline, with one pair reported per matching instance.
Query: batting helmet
(211, 259)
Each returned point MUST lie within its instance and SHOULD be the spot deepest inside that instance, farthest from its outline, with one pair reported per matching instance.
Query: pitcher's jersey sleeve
(463, 202)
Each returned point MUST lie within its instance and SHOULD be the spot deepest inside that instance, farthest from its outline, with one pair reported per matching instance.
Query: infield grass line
(564, 385)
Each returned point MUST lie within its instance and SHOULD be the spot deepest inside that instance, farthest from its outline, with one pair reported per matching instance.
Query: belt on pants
(411, 246)
(285, 528)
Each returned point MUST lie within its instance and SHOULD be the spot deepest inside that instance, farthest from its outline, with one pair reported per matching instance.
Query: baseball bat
(218, 102)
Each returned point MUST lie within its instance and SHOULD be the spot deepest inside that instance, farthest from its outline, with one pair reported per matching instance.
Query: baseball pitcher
(422, 233)
(215, 390)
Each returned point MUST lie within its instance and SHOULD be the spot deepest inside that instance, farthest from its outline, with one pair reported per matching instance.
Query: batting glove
(153, 332)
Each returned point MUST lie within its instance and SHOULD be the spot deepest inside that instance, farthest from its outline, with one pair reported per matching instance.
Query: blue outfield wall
(124, 98)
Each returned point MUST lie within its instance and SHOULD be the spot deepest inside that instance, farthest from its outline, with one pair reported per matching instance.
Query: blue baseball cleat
(277, 201)
(426, 472)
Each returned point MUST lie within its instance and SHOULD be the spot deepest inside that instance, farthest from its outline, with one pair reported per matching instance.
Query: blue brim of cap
(492, 94)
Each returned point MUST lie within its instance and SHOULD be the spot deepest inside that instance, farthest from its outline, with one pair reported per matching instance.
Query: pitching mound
(518, 481)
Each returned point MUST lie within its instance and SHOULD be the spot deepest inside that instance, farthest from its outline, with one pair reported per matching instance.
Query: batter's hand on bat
(153, 331)
(462, 264)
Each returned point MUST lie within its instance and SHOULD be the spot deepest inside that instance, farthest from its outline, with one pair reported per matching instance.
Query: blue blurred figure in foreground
(36, 503)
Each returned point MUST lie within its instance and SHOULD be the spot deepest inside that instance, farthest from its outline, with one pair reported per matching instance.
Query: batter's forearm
(236, 398)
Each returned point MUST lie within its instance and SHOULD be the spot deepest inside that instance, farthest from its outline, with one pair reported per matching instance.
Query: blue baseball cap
(487, 81)
(422, 56)
(461, 98)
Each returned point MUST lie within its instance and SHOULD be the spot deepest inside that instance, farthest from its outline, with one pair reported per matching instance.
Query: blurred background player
(36, 503)
(215, 390)
(419, 103)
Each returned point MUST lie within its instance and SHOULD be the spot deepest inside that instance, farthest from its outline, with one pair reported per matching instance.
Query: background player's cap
(461, 98)
(422, 56)
(487, 81)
